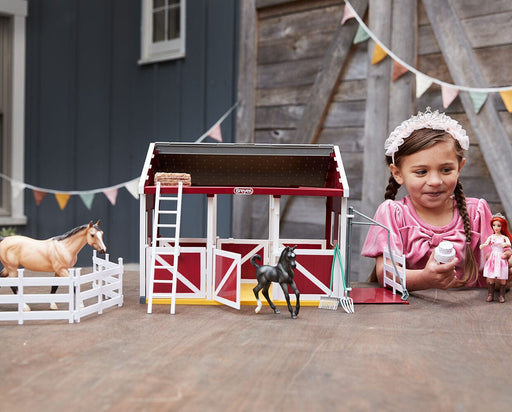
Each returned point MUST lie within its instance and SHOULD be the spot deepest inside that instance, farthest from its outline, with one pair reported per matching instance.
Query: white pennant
(422, 84)
(133, 187)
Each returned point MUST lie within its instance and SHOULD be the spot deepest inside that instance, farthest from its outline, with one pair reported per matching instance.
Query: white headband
(427, 120)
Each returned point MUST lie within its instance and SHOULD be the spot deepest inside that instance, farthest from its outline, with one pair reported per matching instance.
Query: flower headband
(427, 120)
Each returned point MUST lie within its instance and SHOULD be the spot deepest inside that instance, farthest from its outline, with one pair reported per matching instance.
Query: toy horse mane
(74, 231)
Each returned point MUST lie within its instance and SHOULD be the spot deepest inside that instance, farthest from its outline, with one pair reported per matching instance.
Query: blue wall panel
(92, 110)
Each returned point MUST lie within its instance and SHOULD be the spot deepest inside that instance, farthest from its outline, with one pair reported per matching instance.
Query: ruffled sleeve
(389, 214)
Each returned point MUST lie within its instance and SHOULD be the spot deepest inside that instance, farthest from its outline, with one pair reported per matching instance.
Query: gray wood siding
(92, 110)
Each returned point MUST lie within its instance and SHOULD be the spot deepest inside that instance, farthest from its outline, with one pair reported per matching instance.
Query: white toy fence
(83, 295)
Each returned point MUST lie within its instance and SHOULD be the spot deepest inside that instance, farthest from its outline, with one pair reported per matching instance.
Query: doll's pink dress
(495, 266)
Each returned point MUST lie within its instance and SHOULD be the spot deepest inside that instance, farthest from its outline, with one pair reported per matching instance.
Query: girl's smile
(430, 177)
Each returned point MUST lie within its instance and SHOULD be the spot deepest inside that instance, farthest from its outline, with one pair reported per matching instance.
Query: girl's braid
(470, 264)
(391, 189)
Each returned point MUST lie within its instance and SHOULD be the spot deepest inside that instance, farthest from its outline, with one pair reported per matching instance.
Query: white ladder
(157, 243)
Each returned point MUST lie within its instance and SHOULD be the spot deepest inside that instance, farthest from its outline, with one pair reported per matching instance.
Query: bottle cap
(445, 252)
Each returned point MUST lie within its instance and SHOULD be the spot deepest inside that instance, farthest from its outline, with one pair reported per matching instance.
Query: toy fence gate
(83, 294)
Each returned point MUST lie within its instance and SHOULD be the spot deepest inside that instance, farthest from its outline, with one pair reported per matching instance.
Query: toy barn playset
(212, 269)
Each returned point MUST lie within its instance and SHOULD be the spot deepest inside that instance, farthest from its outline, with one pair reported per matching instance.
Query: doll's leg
(490, 291)
(503, 286)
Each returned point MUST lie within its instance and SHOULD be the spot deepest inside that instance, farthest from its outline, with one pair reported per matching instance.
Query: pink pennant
(348, 13)
(111, 195)
(215, 133)
(449, 94)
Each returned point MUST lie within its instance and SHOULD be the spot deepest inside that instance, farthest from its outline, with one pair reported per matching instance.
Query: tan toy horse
(56, 254)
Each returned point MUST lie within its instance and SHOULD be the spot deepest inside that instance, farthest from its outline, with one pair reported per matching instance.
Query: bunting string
(87, 196)
(423, 81)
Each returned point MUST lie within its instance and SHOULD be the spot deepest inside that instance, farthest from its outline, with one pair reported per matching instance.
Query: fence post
(21, 299)
(121, 271)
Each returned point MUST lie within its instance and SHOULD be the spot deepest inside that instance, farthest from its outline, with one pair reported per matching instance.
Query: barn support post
(375, 173)
(494, 142)
(211, 240)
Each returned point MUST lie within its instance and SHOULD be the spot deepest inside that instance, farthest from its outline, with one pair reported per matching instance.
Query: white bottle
(445, 252)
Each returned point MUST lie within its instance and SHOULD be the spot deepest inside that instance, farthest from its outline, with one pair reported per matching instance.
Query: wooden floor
(446, 351)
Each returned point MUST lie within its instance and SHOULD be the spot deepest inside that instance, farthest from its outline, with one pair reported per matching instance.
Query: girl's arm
(434, 275)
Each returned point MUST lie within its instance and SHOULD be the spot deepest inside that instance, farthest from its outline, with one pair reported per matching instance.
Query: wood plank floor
(446, 351)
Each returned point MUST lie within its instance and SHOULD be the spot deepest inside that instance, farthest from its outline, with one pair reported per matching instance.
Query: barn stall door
(312, 274)
(191, 272)
(226, 278)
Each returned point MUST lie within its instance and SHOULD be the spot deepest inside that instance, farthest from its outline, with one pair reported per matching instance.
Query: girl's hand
(442, 275)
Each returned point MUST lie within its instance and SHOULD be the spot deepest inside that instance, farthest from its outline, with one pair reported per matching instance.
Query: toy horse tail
(253, 261)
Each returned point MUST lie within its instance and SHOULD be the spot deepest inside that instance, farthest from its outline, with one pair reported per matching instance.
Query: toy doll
(496, 266)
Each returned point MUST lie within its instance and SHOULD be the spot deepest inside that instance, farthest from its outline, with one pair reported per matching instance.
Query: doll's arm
(483, 245)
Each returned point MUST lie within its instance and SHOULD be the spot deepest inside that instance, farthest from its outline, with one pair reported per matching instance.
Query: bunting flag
(478, 99)
(348, 13)
(449, 94)
(87, 198)
(361, 35)
(423, 82)
(398, 70)
(378, 54)
(133, 187)
(38, 196)
(506, 96)
(215, 132)
(111, 195)
(62, 199)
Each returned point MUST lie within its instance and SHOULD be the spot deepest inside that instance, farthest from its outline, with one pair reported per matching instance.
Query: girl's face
(430, 177)
(496, 226)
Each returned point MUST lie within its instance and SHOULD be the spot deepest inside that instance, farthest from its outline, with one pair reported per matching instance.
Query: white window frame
(152, 52)
(12, 209)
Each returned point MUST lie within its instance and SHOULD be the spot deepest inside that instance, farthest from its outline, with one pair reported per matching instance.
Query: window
(163, 30)
(12, 110)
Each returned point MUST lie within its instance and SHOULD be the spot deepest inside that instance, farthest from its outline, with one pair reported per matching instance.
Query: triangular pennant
(87, 198)
(361, 35)
(348, 13)
(398, 70)
(38, 196)
(478, 99)
(17, 188)
(62, 199)
(422, 84)
(111, 195)
(449, 94)
(215, 132)
(506, 96)
(378, 54)
(133, 187)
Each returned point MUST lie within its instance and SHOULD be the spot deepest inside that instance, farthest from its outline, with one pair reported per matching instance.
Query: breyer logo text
(243, 191)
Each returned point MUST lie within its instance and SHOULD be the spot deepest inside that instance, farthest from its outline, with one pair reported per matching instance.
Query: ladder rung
(162, 281)
(166, 224)
(168, 212)
(168, 198)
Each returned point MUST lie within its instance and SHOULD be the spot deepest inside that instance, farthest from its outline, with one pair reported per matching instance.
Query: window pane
(158, 26)
(158, 3)
(174, 23)
(174, 2)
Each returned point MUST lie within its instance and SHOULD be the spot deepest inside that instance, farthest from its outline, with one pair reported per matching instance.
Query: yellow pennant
(62, 199)
(378, 54)
(506, 96)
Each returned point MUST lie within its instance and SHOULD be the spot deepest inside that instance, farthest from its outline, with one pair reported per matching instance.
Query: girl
(425, 154)
(496, 266)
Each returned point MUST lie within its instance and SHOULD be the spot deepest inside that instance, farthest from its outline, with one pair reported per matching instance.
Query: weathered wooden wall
(290, 41)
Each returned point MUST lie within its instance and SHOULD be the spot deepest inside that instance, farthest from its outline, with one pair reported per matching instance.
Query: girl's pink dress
(495, 266)
(416, 239)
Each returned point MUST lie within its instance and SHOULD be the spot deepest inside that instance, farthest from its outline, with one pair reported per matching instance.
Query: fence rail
(83, 295)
